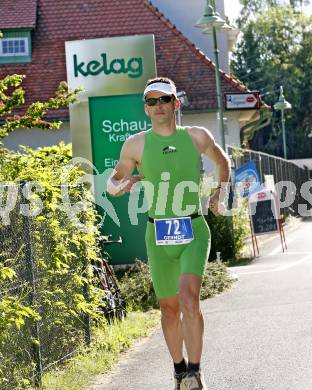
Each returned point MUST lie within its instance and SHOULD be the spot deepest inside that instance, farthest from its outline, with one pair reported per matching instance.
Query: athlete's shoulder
(201, 136)
(199, 131)
(133, 146)
(136, 138)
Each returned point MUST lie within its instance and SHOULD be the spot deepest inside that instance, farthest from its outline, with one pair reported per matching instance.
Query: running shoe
(178, 378)
(193, 381)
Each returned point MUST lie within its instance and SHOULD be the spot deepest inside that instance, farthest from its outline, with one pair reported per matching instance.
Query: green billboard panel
(112, 120)
(108, 66)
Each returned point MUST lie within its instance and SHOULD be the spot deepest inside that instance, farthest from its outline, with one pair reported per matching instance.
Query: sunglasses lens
(165, 99)
(162, 99)
(151, 101)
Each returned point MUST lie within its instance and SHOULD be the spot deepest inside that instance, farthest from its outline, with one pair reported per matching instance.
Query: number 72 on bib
(173, 231)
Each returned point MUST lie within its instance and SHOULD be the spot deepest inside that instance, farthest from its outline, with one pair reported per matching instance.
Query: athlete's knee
(170, 309)
(189, 295)
(189, 303)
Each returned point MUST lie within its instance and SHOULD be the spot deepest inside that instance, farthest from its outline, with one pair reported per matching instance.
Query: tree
(16, 313)
(12, 97)
(298, 4)
(252, 8)
(276, 50)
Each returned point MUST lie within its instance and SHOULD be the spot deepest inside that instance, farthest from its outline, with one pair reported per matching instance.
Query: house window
(15, 47)
(10, 47)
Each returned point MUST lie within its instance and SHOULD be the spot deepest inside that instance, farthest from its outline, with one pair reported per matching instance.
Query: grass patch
(108, 343)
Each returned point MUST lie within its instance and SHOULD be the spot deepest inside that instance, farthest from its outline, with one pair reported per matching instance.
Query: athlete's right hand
(127, 184)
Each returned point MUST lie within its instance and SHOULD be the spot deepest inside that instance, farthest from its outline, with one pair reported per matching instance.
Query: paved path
(258, 335)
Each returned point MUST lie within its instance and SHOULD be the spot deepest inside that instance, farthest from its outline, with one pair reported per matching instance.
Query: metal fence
(45, 282)
(282, 171)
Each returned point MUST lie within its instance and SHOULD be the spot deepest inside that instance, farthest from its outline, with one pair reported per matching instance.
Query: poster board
(264, 212)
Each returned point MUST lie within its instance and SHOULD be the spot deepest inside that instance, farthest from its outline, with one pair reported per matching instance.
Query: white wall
(209, 120)
(184, 14)
(35, 138)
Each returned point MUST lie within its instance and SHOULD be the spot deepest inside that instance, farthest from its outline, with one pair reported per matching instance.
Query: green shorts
(168, 262)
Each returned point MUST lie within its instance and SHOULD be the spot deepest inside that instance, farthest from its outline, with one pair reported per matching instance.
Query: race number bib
(173, 231)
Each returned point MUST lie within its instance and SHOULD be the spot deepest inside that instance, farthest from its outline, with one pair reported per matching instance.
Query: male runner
(177, 235)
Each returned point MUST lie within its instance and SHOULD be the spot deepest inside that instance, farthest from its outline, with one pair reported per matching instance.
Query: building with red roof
(40, 28)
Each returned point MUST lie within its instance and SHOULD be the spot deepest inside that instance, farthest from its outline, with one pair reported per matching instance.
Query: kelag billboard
(110, 127)
(113, 73)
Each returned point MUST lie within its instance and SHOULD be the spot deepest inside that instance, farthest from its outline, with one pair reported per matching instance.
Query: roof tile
(18, 14)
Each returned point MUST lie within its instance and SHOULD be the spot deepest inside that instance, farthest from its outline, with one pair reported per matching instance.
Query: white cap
(168, 89)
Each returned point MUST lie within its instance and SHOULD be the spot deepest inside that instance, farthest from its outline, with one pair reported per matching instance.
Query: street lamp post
(218, 86)
(211, 22)
(184, 103)
(283, 105)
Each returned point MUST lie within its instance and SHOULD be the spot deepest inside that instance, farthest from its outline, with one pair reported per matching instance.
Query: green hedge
(61, 253)
(136, 284)
(228, 234)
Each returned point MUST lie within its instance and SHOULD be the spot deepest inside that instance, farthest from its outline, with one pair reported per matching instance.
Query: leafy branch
(11, 100)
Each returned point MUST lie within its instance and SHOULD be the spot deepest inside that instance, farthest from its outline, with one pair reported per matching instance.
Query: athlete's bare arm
(123, 174)
(206, 144)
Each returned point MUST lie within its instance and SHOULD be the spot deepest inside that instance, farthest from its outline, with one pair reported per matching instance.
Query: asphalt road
(258, 336)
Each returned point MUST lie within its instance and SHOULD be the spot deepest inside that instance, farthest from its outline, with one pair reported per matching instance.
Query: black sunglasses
(162, 100)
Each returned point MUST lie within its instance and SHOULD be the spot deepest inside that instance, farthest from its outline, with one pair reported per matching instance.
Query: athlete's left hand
(216, 204)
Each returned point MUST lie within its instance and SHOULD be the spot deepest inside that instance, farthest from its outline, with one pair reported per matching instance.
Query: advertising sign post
(113, 72)
(263, 204)
(265, 216)
(242, 101)
(247, 179)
